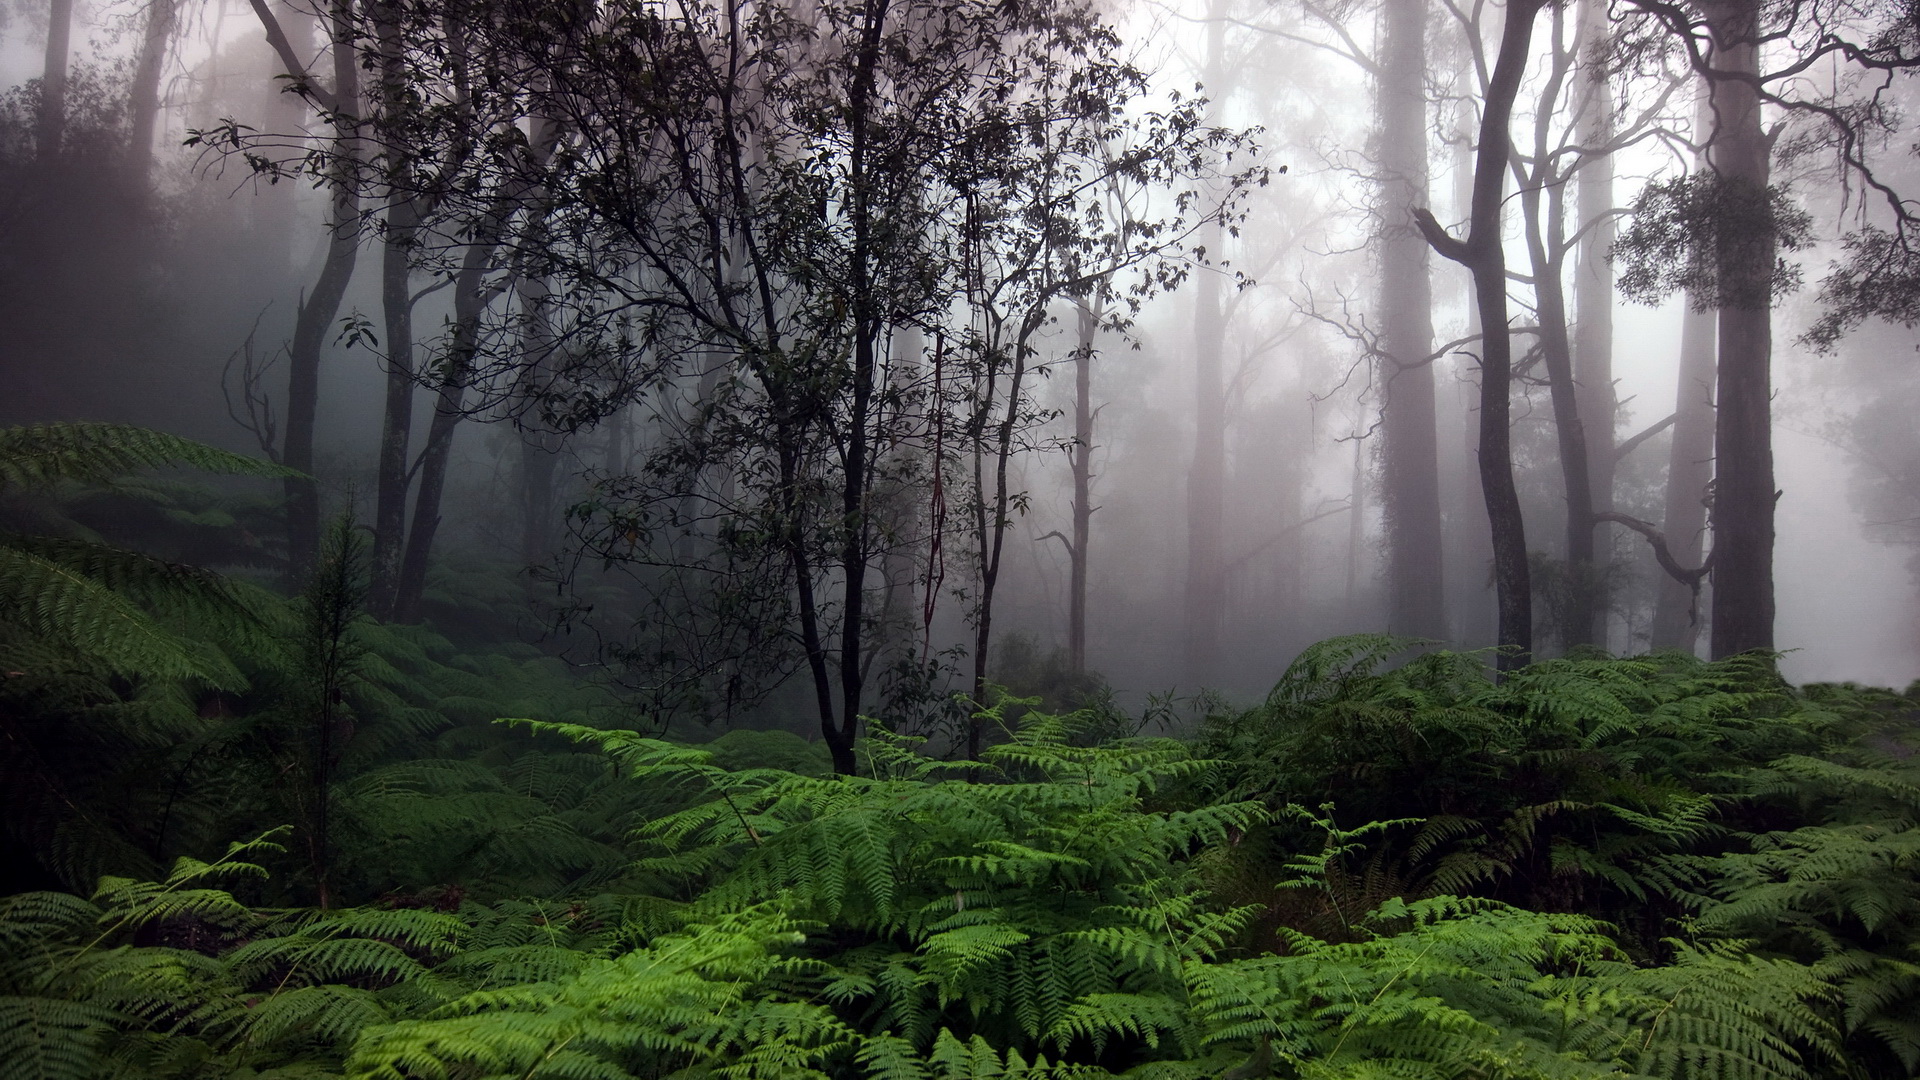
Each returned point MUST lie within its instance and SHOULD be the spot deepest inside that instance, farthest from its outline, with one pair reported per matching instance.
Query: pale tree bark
(1676, 622)
(1482, 254)
(1593, 290)
(1206, 585)
(1543, 201)
(51, 129)
(1743, 512)
(1410, 469)
(143, 99)
(1689, 472)
(1477, 616)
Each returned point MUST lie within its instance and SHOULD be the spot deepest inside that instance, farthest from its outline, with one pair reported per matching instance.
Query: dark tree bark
(1481, 253)
(51, 127)
(322, 302)
(1081, 463)
(396, 302)
(1744, 493)
(1410, 469)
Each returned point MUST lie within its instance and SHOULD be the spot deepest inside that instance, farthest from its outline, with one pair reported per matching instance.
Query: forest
(937, 539)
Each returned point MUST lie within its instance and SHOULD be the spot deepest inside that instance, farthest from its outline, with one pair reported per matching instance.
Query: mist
(1258, 470)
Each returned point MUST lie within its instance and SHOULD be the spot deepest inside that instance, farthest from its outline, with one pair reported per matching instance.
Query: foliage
(1684, 231)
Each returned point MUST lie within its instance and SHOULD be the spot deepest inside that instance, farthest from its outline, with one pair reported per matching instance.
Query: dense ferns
(1594, 868)
(1048, 920)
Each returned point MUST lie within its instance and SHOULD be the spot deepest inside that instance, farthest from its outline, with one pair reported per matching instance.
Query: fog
(140, 283)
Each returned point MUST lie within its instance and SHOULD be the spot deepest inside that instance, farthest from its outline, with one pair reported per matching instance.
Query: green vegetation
(265, 837)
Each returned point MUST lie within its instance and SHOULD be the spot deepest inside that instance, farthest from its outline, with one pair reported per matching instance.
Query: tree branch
(1440, 240)
(1629, 446)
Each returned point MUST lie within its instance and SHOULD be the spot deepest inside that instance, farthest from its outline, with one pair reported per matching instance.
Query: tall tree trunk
(1478, 613)
(51, 128)
(1689, 471)
(143, 99)
(470, 300)
(1410, 467)
(868, 322)
(1081, 463)
(396, 302)
(1206, 586)
(317, 310)
(1744, 493)
(1542, 196)
(1593, 293)
(1676, 618)
(1482, 254)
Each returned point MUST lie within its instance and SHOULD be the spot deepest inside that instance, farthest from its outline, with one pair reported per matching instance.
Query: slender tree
(340, 103)
(1482, 254)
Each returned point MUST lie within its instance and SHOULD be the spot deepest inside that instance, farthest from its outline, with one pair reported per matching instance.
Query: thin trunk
(856, 485)
(1206, 587)
(143, 99)
(1676, 617)
(318, 309)
(469, 304)
(1689, 472)
(1479, 616)
(1544, 207)
(540, 447)
(1081, 462)
(991, 521)
(51, 128)
(1356, 519)
(1744, 493)
(1410, 467)
(1593, 291)
(1481, 253)
(396, 301)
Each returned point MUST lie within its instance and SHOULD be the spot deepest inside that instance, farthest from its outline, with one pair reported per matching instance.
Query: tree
(1482, 255)
(1410, 458)
(339, 103)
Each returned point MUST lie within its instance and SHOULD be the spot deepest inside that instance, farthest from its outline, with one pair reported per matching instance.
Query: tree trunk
(1410, 469)
(317, 310)
(51, 128)
(1689, 471)
(469, 304)
(1593, 295)
(1676, 618)
(1206, 585)
(1206, 589)
(1481, 253)
(856, 484)
(1744, 493)
(396, 301)
(143, 99)
(1081, 462)
(1545, 242)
